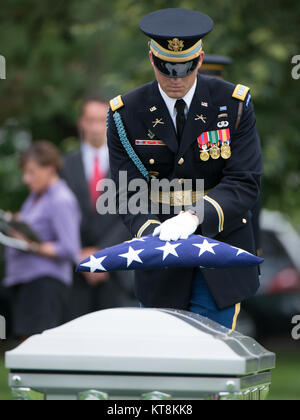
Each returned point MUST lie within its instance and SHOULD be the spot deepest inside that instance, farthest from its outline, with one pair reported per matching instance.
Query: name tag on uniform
(149, 143)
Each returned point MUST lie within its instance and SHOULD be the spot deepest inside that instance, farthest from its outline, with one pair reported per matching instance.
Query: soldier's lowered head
(176, 47)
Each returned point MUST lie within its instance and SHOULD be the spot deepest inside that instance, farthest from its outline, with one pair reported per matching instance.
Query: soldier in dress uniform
(185, 126)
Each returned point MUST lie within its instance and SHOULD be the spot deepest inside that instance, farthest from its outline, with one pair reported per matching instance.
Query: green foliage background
(58, 51)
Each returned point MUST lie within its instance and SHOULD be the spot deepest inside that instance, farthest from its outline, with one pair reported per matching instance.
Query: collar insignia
(157, 122)
(201, 117)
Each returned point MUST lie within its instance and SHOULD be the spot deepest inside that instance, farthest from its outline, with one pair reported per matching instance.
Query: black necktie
(180, 119)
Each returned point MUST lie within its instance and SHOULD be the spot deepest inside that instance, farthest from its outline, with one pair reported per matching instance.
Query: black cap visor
(176, 70)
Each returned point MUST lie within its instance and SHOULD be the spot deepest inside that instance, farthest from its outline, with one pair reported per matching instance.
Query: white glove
(179, 227)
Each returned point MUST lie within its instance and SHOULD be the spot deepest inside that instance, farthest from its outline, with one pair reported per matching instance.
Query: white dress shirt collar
(170, 102)
(88, 156)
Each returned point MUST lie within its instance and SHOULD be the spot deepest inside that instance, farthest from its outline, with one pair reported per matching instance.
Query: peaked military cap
(176, 39)
(214, 65)
(176, 34)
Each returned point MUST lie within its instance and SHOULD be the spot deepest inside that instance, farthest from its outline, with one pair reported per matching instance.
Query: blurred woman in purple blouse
(41, 278)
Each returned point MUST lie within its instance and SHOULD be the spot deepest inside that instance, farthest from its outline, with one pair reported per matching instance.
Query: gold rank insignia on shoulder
(241, 92)
(116, 103)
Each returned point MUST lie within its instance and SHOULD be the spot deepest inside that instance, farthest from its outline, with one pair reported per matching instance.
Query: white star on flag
(132, 255)
(240, 251)
(95, 264)
(169, 249)
(206, 247)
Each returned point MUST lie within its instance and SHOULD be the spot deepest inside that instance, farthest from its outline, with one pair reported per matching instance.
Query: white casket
(133, 353)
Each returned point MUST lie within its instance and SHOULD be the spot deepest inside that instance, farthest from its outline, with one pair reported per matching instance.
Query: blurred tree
(58, 51)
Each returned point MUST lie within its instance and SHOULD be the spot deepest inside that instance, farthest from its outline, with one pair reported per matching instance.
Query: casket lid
(141, 341)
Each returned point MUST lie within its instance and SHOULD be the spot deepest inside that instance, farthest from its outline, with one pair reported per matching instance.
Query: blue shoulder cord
(127, 146)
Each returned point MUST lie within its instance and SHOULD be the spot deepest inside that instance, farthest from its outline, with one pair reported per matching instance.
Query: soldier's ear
(202, 56)
(151, 58)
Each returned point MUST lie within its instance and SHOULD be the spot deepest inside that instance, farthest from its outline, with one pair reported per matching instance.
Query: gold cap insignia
(176, 45)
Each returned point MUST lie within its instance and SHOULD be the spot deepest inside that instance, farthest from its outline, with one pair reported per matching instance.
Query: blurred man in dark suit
(82, 171)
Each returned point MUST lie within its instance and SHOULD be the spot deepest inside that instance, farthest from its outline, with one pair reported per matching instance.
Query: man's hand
(93, 279)
(179, 227)
(85, 253)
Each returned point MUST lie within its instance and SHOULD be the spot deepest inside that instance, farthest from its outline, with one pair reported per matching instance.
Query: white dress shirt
(170, 102)
(88, 156)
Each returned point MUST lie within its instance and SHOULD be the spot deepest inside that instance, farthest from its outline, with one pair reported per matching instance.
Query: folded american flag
(150, 252)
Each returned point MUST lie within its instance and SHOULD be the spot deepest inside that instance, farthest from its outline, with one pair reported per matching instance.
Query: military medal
(224, 137)
(226, 151)
(204, 156)
(203, 142)
(214, 151)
